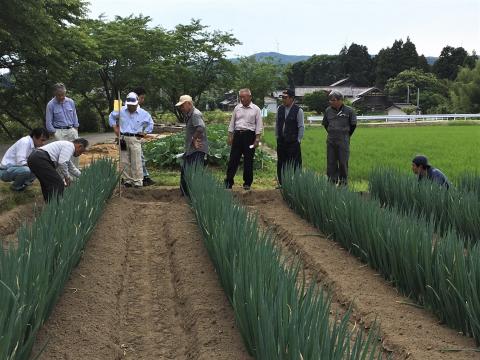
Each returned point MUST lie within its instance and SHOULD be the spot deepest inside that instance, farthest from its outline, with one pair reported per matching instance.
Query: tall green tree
(261, 77)
(451, 60)
(465, 90)
(391, 61)
(193, 62)
(433, 91)
(36, 53)
(318, 70)
(356, 63)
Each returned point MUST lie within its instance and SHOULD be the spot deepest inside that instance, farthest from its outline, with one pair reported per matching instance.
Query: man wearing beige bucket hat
(196, 143)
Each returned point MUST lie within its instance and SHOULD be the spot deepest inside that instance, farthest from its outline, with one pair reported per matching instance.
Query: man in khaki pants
(130, 125)
(61, 117)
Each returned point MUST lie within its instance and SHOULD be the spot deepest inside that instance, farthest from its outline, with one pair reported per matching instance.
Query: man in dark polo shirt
(340, 122)
(289, 129)
(196, 143)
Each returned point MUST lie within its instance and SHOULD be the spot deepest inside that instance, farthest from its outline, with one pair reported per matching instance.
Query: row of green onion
(34, 270)
(277, 313)
(440, 272)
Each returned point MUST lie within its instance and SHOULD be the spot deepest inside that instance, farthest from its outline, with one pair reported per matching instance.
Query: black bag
(123, 144)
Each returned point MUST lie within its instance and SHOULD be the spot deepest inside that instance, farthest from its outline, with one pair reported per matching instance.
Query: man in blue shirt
(130, 125)
(61, 117)
(424, 170)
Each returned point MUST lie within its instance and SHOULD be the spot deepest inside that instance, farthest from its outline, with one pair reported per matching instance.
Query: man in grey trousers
(340, 122)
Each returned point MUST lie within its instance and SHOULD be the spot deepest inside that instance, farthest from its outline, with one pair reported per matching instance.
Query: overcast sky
(306, 27)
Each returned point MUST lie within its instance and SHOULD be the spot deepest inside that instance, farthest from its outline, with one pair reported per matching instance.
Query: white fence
(406, 118)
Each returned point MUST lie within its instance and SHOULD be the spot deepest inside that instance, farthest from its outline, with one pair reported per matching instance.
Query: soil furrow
(144, 289)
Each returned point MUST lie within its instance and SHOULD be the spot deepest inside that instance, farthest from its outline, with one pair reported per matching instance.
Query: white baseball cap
(184, 99)
(132, 99)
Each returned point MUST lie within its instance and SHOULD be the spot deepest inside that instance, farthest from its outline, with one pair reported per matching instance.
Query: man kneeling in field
(424, 170)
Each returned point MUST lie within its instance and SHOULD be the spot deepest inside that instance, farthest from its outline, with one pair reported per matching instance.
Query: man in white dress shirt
(52, 165)
(13, 167)
(244, 134)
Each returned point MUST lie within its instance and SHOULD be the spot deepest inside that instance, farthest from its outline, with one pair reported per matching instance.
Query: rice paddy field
(452, 148)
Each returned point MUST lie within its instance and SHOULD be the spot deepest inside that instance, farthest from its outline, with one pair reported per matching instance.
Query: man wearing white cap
(196, 144)
(130, 125)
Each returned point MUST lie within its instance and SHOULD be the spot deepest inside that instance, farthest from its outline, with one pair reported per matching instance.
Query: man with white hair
(196, 143)
(130, 125)
(244, 134)
(340, 122)
(61, 116)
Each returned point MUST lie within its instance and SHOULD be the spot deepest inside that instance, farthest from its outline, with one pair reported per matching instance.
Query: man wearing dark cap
(340, 122)
(289, 129)
(424, 170)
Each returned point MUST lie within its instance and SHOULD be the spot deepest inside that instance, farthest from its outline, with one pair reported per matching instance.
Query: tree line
(43, 42)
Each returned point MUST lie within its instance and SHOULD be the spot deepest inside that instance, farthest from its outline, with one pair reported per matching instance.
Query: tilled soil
(407, 331)
(144, 289)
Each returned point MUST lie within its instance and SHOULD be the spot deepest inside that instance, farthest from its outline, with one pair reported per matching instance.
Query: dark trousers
(241, 146)
(287, 153)
(196, 159)
(44, 169)
(338, 152)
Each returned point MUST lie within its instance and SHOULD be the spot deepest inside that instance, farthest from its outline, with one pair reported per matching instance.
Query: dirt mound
(407, 331)
(145, 289)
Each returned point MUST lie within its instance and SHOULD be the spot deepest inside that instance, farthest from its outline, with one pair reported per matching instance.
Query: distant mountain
(281, 58)
(289, 59)
(431, 59)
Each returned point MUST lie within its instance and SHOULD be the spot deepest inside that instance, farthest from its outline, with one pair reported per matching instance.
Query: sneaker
(147, 181)
(246, 187)
(127, 185)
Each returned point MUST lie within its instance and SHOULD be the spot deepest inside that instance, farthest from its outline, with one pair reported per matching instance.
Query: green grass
(453, 149)
(10, 199)
(262, 179)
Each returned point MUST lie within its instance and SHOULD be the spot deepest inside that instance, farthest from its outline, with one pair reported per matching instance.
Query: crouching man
(46, 160)
(13, 167)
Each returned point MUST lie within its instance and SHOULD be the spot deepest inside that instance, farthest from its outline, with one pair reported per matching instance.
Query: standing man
(133, 123)
(196, 143)
(289, 129)
(244, 134)
(147, 181)
(52, 165)
(61, 116)
(14, 163)
(424, 170)
(340, 122)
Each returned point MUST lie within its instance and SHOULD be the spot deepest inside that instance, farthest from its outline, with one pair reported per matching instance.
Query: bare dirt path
(145, 289)
(407, 331)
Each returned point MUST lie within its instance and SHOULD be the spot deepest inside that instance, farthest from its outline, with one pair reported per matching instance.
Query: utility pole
(408, 94)
(418, 99)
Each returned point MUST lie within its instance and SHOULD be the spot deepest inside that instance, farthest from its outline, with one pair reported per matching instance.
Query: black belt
(243, 130)
(63, 127)
(130, 134)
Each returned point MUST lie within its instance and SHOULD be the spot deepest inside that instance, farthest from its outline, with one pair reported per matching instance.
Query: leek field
(452, 148)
